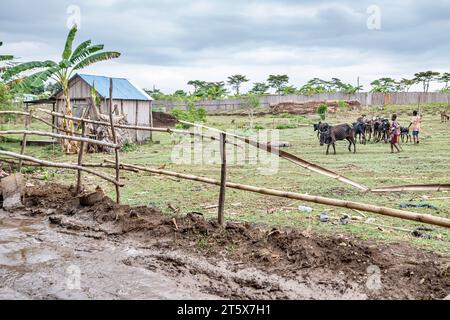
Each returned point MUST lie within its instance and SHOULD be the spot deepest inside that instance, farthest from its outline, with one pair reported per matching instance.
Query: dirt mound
(341, 263)
(162, 119)
(310, 107)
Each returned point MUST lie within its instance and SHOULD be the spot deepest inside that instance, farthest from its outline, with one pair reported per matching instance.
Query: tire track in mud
(223, 279)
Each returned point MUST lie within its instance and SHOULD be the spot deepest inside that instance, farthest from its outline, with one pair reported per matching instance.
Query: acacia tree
(405, 84)
(445, 78)
(236, 80)
(278, 81)
(196, 84)
(259, 88)
(72, 60)
(425, 78)
(385, 85)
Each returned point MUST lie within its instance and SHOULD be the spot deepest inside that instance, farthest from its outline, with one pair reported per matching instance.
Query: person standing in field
(416, 121)
(395, 133)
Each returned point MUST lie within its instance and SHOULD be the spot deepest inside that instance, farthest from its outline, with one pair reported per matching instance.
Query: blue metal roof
(122, 88)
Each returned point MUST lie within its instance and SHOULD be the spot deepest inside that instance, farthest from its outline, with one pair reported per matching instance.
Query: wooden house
(128, 100)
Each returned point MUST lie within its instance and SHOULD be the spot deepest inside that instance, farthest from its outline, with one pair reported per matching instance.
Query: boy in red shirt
(395, 133)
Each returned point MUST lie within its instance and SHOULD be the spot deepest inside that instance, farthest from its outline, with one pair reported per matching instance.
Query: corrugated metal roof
(122, 88)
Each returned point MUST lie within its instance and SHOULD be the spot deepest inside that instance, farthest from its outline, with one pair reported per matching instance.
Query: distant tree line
(204, 90)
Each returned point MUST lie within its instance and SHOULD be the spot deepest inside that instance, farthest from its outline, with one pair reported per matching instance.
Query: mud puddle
(38, 261)
(59, 249)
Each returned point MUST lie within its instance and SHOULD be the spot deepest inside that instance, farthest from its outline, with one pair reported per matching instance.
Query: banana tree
(61, 72)
(5, 57)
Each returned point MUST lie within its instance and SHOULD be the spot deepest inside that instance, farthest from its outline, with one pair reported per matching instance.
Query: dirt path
(56, 248)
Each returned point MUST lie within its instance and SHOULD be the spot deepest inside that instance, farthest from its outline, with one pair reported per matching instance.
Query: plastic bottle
(304, 209)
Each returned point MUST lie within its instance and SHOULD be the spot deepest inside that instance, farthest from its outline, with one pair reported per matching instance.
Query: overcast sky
(167, 43)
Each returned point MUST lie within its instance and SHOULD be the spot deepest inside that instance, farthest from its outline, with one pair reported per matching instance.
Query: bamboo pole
(24, 139)
(42, 120)
(113, 132)
(132, 127)
(88, 165)
(55, 135)
(288, 156)
(223, 175)
(414, 187)
(59, 165)
(80, 156)
(402, 214)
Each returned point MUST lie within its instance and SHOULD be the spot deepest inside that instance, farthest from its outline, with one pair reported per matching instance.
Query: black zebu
(338, 132)
(319, 127)
(381, 129)
(369, 129)
(360, 131)
(404, 134)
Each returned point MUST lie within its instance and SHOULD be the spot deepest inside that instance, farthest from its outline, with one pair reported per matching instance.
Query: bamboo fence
(117, 166)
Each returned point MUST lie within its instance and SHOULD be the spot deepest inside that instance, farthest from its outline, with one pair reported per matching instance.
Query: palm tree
(72, 60)
(236, 80)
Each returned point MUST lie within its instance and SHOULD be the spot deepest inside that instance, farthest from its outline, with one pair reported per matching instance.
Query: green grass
(372, 165)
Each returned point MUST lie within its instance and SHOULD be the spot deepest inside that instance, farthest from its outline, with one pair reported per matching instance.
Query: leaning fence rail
(408, 215)
(59, 136)
(59, 165)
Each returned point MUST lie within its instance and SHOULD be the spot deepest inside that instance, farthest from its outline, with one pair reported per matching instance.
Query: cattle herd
(376, 129)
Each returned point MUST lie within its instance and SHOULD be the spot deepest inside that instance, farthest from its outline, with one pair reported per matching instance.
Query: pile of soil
(162, 119)
(339, 263)
(310, 107)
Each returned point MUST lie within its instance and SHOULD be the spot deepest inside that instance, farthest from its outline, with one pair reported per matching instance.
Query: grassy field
(373, 165)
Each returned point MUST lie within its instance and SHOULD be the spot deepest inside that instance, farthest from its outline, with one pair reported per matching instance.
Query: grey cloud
(189, 32)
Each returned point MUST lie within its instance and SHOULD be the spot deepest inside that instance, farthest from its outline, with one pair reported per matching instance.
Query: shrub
(192, 114)
(251, 103)
(286, 126)
(5, 102)
(343, 105)
(129, 147)
(286, 115)
(322, 110)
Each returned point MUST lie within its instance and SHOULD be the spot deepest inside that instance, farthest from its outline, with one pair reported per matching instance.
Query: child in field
(416, 121)
(395, 133)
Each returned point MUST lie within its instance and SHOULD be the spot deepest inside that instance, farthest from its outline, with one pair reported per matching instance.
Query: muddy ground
(58, 248)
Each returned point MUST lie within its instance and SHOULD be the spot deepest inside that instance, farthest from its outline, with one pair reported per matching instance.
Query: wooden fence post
(113, 132)
(150, 118)
(223, 178)
(80, 156)
(136, 123)
(24, 139)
